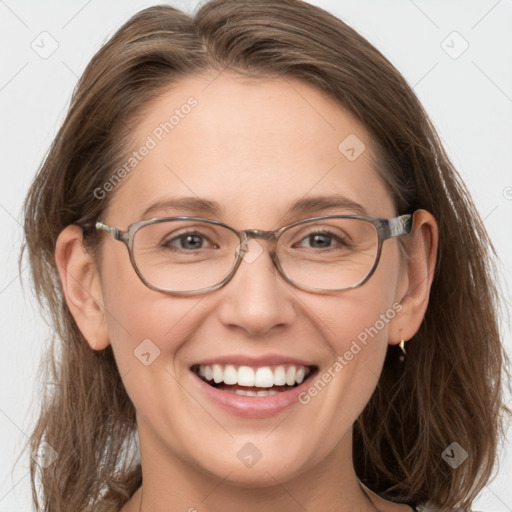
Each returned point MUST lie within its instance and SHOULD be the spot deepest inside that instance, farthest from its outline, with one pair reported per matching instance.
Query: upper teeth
(262, 377)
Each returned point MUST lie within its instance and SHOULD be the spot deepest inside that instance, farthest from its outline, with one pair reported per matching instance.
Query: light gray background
(468, 97)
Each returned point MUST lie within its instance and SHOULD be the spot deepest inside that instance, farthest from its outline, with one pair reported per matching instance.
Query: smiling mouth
(254, 381)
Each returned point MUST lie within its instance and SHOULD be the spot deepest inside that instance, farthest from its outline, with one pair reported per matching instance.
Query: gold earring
(401, 344)
(402, 355)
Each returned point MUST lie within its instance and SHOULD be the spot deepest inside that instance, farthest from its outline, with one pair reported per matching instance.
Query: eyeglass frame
(386, 229)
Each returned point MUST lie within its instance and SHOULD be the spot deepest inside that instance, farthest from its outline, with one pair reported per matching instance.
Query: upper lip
(255, 361)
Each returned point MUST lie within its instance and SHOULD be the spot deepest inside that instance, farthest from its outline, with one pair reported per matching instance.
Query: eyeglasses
(191, 255)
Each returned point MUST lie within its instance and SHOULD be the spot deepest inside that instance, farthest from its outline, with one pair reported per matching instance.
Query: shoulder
(425, 507)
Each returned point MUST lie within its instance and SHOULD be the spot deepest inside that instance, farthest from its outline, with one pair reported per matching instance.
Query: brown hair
(449, 388)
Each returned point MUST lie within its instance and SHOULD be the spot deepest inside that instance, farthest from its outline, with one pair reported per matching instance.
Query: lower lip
(252, 406)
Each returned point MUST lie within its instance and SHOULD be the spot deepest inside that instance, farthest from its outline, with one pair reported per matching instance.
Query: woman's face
(254, 148)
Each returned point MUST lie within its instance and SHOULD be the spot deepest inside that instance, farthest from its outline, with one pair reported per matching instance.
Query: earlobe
(421, 246)
(81, 286)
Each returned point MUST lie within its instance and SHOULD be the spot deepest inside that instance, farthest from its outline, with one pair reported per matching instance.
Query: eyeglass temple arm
(401, 225)
(117, 234)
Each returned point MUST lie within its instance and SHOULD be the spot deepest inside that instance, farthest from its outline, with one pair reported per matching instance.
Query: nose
(257, 299)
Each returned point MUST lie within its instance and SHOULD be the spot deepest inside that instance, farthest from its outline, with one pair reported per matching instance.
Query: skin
(254, 147)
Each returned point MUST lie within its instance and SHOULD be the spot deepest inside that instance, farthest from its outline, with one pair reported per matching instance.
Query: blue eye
(323, 239)
(186, 241)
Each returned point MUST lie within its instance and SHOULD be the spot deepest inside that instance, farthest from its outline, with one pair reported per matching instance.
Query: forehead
(251, 145)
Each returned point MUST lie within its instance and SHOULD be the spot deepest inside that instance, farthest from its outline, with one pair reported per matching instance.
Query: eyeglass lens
(186, 255)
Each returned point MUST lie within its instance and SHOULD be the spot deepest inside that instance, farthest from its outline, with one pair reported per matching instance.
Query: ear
(418, 274)
(82, 286)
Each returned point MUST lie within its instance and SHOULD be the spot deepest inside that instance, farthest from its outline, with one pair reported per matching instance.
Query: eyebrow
(307, 205)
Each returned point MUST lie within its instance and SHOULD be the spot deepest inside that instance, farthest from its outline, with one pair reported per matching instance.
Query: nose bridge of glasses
(258, 233)
(248, 234)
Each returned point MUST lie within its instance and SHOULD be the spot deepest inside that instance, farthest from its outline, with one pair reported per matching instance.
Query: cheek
(356, 327)
(141, 321)
(358, 338)
(147, 331)
(363, 315)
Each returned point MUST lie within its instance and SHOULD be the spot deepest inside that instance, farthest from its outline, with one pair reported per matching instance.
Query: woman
(303, 316)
